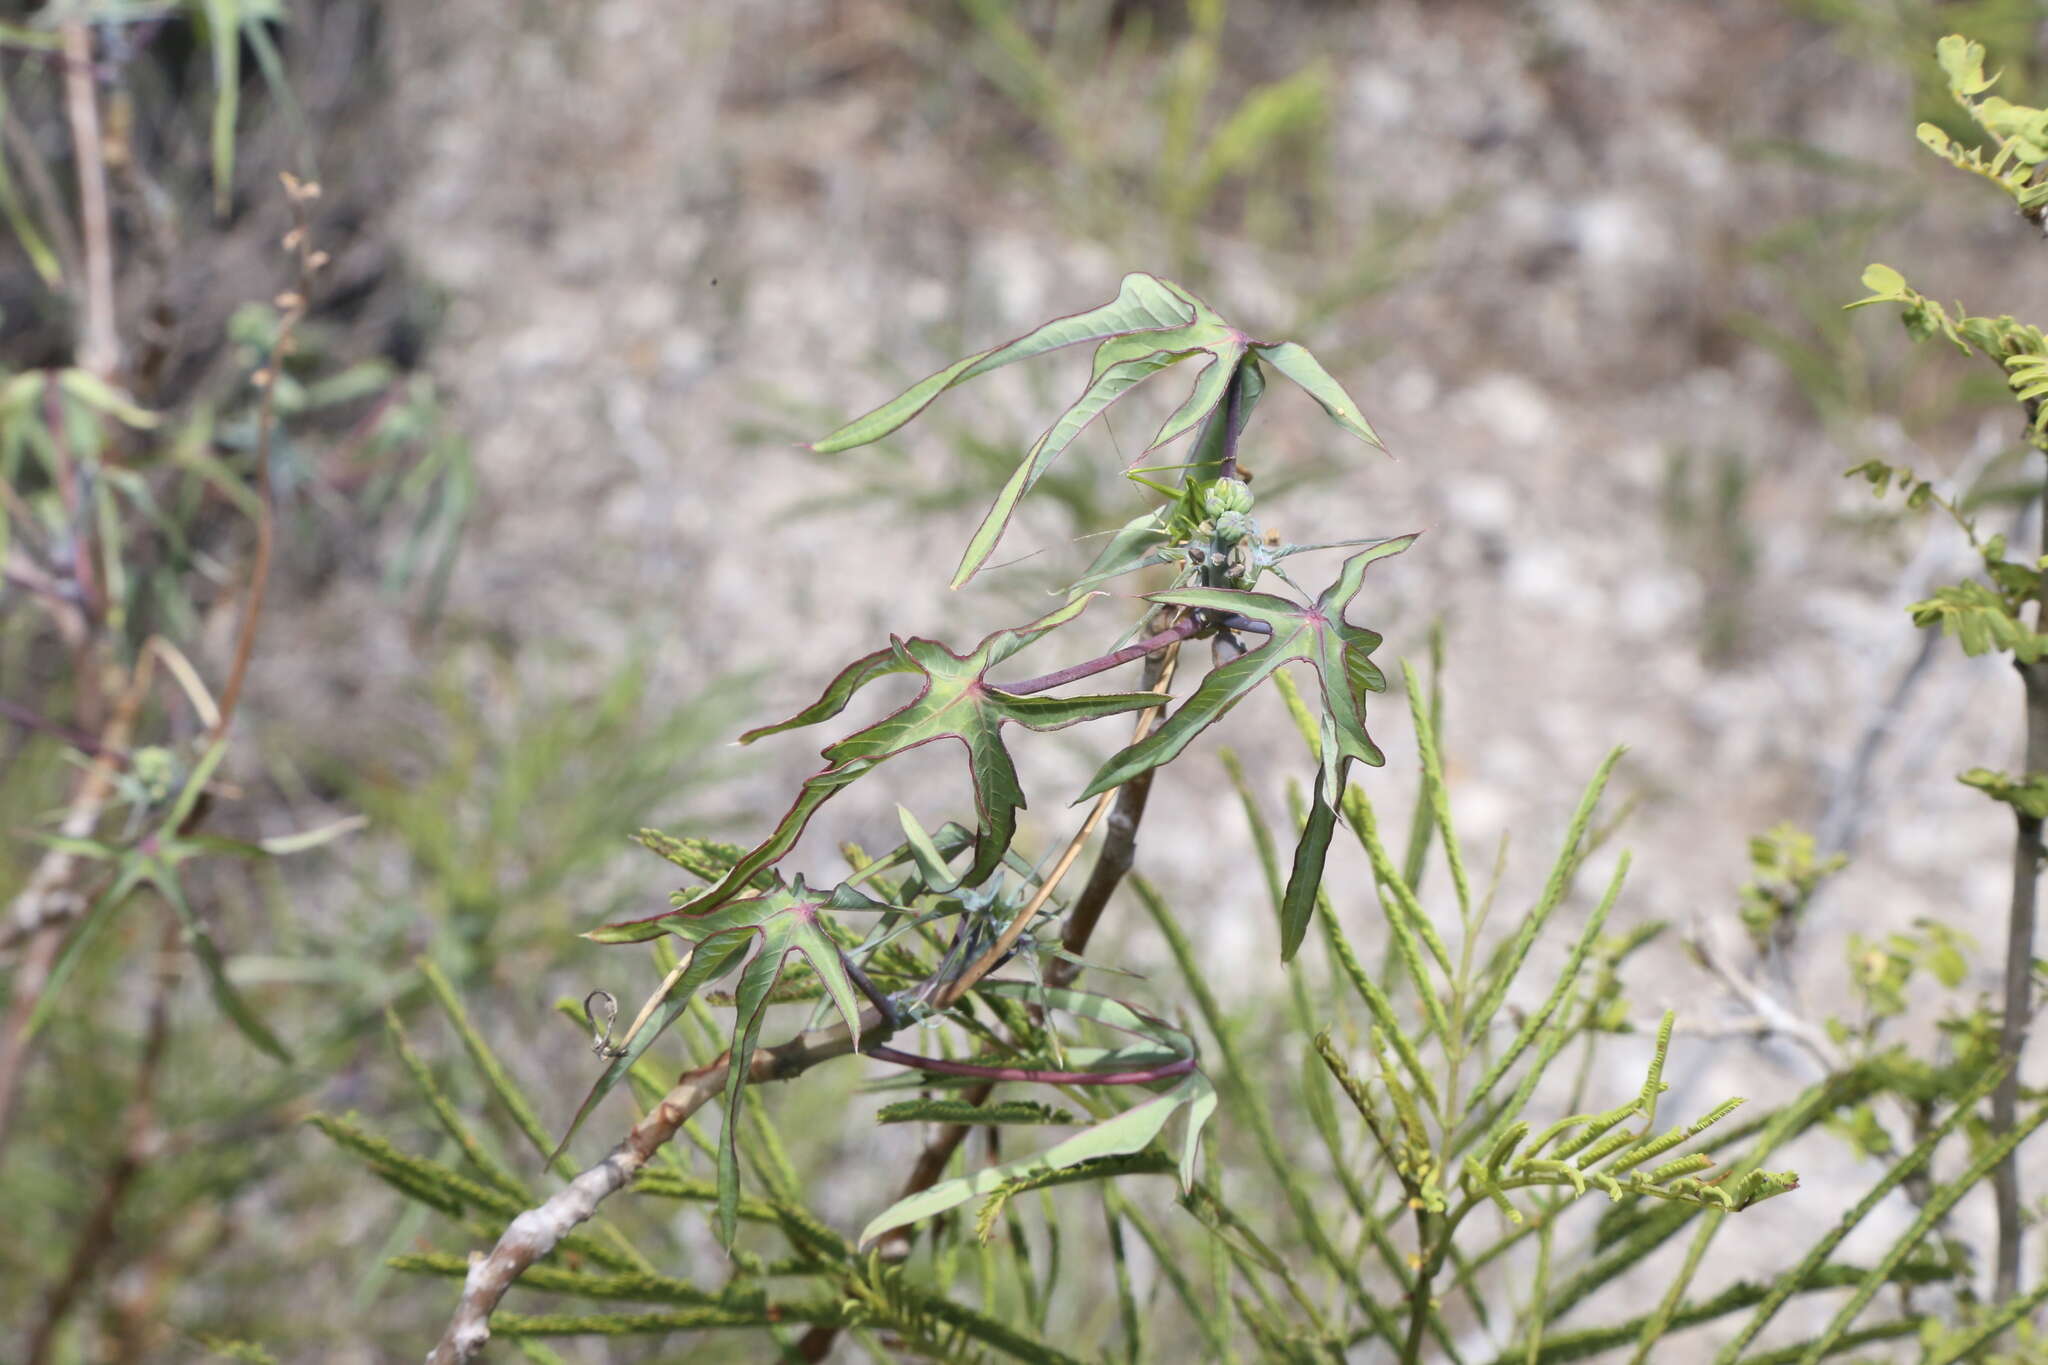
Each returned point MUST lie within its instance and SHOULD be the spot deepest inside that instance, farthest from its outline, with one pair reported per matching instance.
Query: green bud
(1227, 496)
(1231, 527)
(156, 770)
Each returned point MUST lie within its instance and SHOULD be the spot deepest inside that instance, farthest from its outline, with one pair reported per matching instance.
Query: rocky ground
(1580, 262)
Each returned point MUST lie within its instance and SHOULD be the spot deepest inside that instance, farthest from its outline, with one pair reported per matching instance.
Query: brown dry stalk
(535, 1233)
(292, 310)
(99, 345)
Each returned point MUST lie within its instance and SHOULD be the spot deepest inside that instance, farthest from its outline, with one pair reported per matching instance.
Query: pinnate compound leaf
(935, 1110)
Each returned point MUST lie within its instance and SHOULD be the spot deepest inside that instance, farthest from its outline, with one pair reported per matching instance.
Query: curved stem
(1180, 630)
(942, 1066)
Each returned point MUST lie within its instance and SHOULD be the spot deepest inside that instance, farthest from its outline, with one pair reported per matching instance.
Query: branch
(138, 1122)
(1032, 1075)
(2019, 962)
(99, 347)
(535, 1233)
(1180, 630)
(43, 906)
(293, 311)
(1119, 847)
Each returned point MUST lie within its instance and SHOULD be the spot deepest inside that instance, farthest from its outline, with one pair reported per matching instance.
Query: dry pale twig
(533, 1234)
(99, 345)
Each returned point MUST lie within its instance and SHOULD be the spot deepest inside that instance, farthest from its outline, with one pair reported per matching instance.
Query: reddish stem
(1173, 634)
(944, 1067)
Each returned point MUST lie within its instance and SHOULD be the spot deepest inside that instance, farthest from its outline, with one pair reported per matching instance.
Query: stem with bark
(2019, 963)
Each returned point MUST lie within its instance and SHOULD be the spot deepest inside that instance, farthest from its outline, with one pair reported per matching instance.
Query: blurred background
(546, 540)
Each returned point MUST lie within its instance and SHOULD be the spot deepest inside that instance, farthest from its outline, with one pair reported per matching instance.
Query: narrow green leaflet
(1151, 325)
(816, 791)
(1341, 653)
(1144, 303)
(1293, 360)
(164, 877)
(956, 702)
(1120, 1135)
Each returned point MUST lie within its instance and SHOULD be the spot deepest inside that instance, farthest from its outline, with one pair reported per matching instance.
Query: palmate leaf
(955, 702)
(1151, 325)
(1341, 653)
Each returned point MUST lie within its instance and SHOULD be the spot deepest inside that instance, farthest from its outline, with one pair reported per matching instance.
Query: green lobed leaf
(1319, 634)
(1152, 325)
(1144, 303)
(1293, 360)
(1116, 373)
(766, 931)
(955, 702)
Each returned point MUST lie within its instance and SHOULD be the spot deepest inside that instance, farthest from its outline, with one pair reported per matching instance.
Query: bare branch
(99, 345)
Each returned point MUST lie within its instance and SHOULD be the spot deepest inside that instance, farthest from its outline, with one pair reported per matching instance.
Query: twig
(2019, 962)
(534, 1234)
(99, 346)
(1771, 1014)
(28, 718)
(292, 308)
